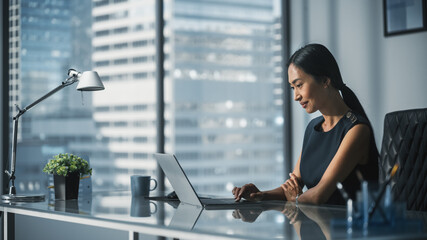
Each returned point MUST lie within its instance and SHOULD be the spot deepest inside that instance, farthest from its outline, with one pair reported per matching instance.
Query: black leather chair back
(405, 143)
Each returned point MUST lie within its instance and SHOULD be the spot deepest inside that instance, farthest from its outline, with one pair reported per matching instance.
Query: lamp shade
(90, 81)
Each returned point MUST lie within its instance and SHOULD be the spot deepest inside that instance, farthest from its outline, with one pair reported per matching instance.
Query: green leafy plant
(64, 164)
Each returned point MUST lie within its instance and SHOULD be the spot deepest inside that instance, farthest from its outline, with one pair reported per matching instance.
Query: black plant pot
(66, 188)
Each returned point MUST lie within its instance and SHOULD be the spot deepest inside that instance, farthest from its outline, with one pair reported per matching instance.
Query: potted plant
(67, 169)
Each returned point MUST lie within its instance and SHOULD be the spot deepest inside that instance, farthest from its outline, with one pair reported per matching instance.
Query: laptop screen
(177, 178)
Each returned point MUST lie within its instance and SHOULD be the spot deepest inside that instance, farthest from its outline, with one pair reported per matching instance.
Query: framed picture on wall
(404, 16)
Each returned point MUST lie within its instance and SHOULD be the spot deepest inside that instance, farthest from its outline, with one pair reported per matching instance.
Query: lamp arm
(70, 80)
(67, 82)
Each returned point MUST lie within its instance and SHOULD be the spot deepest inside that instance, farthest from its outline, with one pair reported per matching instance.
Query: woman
(337, 145)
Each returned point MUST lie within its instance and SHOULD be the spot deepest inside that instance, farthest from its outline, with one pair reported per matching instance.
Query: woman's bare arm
(354, 149)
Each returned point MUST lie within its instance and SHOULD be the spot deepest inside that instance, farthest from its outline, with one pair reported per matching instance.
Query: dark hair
(318, 61)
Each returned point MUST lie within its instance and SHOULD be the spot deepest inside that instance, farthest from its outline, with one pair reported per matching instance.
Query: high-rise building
(222, 89)
(43, 36)
(124, 56)
(223, 116)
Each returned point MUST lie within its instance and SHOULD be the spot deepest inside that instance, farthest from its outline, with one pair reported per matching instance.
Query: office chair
(405, 143)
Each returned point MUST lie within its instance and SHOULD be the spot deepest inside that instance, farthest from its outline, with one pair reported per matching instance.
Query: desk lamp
(88, 81)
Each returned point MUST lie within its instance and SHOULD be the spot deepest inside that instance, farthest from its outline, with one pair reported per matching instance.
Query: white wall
(386, 73)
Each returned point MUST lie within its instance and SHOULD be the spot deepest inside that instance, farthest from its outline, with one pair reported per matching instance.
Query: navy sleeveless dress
(320, 147)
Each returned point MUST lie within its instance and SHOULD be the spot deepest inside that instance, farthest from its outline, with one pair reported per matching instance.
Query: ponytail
(353, 103)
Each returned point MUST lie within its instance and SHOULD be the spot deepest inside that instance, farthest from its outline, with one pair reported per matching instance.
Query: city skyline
(222, 94)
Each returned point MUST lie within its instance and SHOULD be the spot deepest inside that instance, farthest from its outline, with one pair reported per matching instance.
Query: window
(140, 59)
(121, 61)
(102, 48)
(222, 69)
(120, 30)
(120, 45)
(102, 33)
(140, 43)
(102, 18)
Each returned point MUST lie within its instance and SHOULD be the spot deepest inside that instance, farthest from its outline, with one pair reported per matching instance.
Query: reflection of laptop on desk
(185, 216)
(185, 191)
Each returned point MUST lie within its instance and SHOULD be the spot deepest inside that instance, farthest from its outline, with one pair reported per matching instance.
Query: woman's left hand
(292, 187)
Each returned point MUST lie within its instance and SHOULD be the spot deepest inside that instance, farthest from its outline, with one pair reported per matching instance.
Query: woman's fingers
(295, 185)
(290, 184)
(292, 175)
(295, 181)
(292, 187)
(236, 193)
(244, 192)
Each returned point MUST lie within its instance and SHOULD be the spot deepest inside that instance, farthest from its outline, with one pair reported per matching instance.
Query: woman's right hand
(247, 191)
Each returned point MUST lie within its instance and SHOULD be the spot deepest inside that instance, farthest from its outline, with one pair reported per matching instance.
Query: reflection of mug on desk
(142, 207)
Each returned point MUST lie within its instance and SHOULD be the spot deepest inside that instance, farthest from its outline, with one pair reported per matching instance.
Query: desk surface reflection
(271, 220)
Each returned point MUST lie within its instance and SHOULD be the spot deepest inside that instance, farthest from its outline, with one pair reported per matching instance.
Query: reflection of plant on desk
(64, 164)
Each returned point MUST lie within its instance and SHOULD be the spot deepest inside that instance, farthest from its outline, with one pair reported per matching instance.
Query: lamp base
(22, 198)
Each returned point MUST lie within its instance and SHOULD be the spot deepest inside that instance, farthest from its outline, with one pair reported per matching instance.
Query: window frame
(4, 94)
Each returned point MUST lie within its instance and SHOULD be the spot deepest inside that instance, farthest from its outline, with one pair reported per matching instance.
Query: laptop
(185, 191)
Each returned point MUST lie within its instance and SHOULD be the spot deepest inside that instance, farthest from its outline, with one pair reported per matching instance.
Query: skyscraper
(222, 89)
(42, 48)
(222, 119)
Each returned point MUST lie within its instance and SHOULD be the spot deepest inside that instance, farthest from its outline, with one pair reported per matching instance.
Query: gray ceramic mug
(140, 185)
